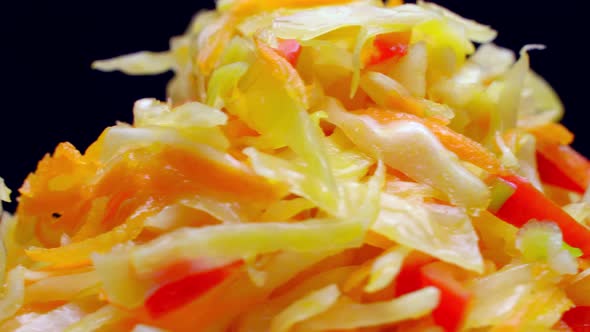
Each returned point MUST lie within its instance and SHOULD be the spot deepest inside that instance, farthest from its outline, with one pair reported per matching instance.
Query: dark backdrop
(49, 94)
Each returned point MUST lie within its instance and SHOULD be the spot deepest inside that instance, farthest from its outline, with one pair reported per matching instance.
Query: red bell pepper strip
(175, 294)
(561, 326)
(419, 271)
(528, 203)
(578, 319)
(289, 49)
(408, 279)
(388, 46)
(562, 166)
(454, 302)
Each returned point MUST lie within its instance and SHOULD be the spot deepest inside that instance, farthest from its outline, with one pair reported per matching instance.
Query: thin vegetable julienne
(260, 179)
(578, 319)
(562, 166)
(454, 296)
(177, 293)
(290, 50)
(389, 46)
(527, 203)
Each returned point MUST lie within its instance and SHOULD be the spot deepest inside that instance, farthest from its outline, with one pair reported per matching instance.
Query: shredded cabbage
(13, 293)
(118, 279)
(303, 309)
(410, 71)
(441, 231)
(141, 63)
(4, 193)
(96, 320)
(216, 241)
(526, 154)
(542, 241)
(504, 299)
(474, 31)
(10, 247)
(315, 165)
(371, 20)
(291, 126)
(579, 211)
(61, 288)
(150, 112)
(259, 319)
(411, 148)
(2, 263)
(57, 319)
(410, 306)
(487, 63)
(223, 82)
(540, 104)
(311, 23)
(510, 96)
(386, 268)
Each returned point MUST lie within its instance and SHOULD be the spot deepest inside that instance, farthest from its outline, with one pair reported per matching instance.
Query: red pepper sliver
(578, 319)
(408, 279)
(562, 166)
(388, 46)
(180, 269)
(561, 326)
(176, 294)
(290, 49)
(528, 203)
(550, 173)
(454, 302)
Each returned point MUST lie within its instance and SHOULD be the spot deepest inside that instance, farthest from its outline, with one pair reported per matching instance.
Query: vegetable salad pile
(318, 165)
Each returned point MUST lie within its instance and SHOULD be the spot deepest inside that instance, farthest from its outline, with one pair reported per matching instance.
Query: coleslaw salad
(318, 165)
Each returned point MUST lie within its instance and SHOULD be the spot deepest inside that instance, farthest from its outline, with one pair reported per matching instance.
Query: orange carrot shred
(553, 133)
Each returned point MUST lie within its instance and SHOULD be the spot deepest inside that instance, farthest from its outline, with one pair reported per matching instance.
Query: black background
(50, 94)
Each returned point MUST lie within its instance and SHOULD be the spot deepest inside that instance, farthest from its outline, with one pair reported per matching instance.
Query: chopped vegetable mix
(318, 165)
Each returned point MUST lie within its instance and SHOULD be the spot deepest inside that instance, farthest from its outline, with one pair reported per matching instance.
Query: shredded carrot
(357, 277)
(378, 240)
(114, 205)
(393, 3)
(282, 69)
(208, 56)
(239, 182)
(94, 218)
(554, 133)
(237, 128)
(394, 174)
(78, 254)
(56, 193)
(54, 197)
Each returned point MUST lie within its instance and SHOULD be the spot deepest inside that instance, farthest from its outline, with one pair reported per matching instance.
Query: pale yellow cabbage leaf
(444, 232)
(140, 63)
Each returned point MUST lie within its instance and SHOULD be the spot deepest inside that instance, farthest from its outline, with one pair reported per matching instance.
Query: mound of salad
(318, 165)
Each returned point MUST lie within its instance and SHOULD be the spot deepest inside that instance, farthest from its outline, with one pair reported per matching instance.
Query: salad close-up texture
(317, 165)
